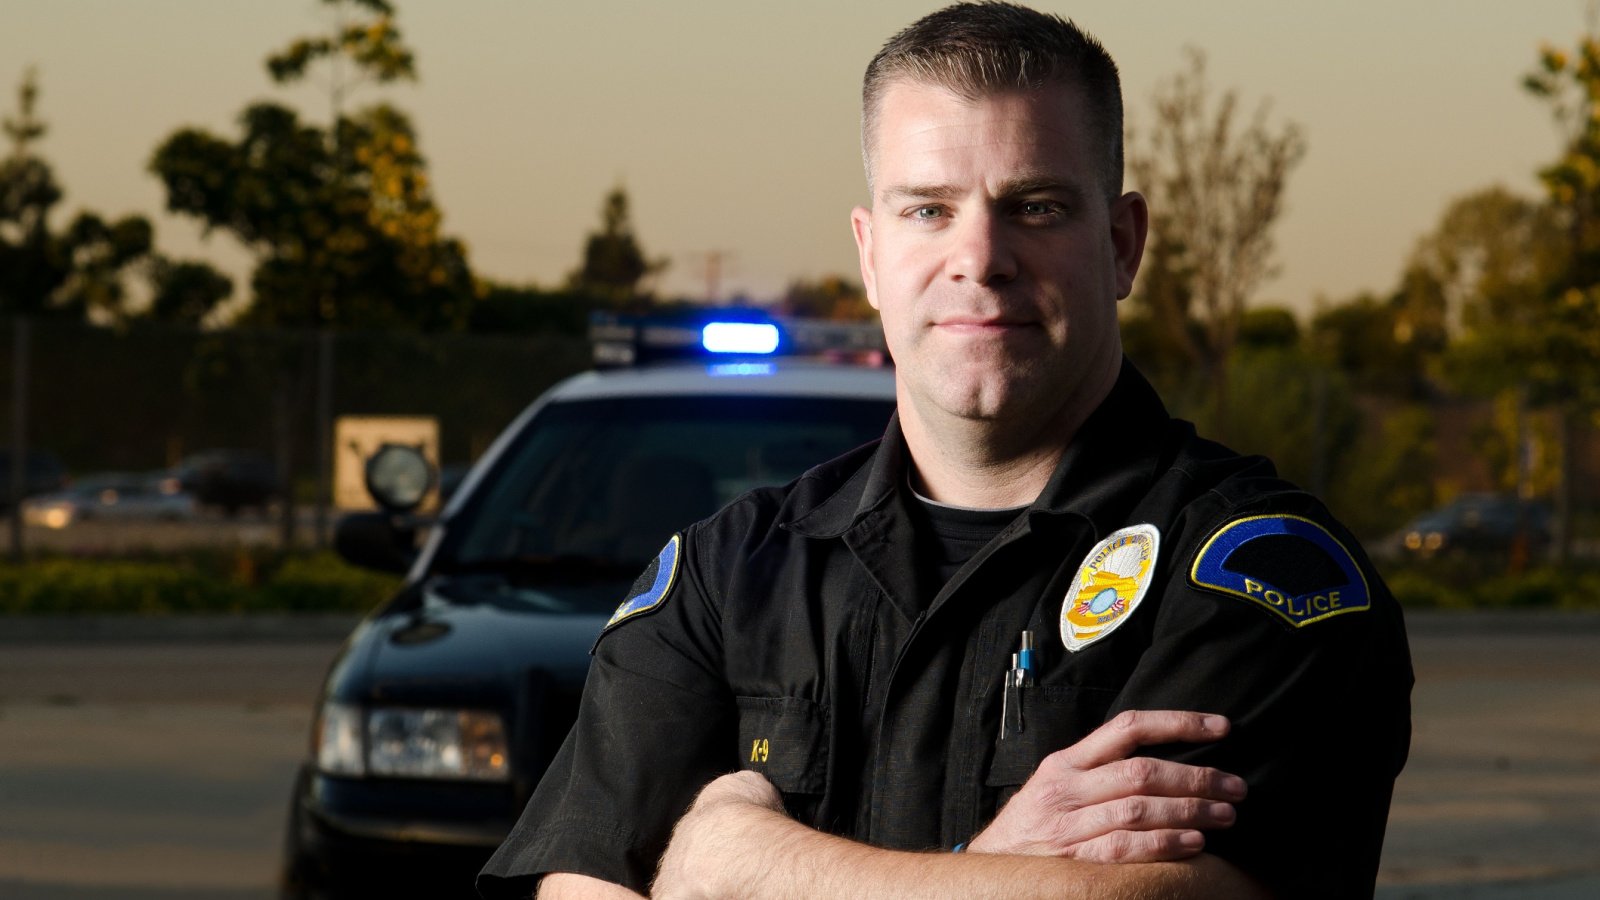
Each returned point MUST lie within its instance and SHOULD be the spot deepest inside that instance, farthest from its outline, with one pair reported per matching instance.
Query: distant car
(443, 709)
(1480, 524)
(42, 474)
(230, 480)
(111, 496)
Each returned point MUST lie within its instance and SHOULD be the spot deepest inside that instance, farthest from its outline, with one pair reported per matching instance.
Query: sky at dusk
(734, 124)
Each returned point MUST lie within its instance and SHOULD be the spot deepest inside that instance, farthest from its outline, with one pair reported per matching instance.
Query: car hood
(457, 644)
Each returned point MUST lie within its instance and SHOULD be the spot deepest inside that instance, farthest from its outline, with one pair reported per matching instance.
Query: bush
(207, 582)
(1467, 584)
(324, 582)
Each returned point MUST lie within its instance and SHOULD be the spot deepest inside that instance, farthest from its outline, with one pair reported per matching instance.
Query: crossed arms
(1093, 820)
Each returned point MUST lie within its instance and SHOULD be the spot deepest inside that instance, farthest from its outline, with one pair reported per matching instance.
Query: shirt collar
(1113, 458)
(1107, 467)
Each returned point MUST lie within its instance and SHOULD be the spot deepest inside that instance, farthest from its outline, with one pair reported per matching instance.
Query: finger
(1132, 729)
(1140, 846)
(1144, 776)
(1146, 814)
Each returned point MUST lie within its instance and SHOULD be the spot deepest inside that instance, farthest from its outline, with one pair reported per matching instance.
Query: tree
(341, 218)
(1363, 339)
(829, 297)
(47, 273)
(185, 293)
(373, 46)
(614, 266)
(1216, 189)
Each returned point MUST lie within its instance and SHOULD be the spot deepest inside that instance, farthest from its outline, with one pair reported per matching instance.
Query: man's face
(992, 253)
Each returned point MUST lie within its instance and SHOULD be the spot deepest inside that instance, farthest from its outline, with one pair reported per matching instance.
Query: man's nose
(981, 250)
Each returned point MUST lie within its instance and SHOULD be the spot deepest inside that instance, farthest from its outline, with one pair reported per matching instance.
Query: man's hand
(1096, 802)
(702, 853)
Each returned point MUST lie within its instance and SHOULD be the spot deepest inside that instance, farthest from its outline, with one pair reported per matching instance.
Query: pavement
(145, 757)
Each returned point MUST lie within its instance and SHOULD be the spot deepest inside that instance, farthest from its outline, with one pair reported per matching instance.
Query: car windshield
(591, 490)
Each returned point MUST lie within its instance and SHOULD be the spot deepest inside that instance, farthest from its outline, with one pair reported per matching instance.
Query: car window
(608, 481)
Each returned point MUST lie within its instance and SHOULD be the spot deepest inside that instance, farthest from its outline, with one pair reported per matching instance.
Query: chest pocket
(785, 739)
(1053, 717)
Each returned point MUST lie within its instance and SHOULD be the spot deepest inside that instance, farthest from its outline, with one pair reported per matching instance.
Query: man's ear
(861, 224)
(1130, 226)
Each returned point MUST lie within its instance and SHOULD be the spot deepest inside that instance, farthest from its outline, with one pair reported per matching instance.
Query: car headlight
(467, 745)
(50, 515)
(437, 743)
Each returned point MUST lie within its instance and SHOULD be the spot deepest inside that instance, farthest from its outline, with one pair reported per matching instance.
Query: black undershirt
(948, 536)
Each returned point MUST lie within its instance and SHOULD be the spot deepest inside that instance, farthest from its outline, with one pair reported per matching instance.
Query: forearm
(775, 858)
(567, 886)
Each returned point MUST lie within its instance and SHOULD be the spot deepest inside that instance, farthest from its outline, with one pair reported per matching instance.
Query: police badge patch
(1287, 565)
(1111, 582)
(652, 586)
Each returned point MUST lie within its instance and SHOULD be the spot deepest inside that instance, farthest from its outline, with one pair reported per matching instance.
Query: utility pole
(714, 260)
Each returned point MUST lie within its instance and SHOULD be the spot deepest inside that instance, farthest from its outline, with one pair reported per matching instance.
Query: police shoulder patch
(650, 590)
(1287, 565)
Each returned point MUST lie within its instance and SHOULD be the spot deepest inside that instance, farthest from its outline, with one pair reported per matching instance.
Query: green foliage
(614, 265)
(208, 582)
(68, 586)
(1378, 345)
(1268, 327)
(829, 297)
(505, 309)
(1216, 182)
(1464, 585)
(61, 274)
(324, 582)
(1285, 404)
(373, 45)
(341, 218)
(1388, 475)
(185, 293)
(358, 248)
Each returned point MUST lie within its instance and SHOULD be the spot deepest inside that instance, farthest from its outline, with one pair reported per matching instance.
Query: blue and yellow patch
(652, 586)
(1288, 565)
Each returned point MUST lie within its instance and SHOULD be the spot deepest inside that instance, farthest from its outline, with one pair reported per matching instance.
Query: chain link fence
(80, 399)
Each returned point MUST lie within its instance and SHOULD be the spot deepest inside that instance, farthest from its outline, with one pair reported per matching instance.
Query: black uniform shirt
(794, 635)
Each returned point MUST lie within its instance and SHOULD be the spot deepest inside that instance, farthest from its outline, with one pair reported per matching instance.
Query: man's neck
(988, 464)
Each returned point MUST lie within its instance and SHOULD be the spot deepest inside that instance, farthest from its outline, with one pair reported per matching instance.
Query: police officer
(1040, 623)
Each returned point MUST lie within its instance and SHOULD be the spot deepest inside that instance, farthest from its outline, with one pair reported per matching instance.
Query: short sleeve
(1317, 688)
(654, 725)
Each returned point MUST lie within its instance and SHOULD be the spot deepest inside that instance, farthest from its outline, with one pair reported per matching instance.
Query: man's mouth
(978, 325)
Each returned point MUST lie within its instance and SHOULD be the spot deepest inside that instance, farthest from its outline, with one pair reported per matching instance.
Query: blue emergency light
(621, 339)
(746, 338)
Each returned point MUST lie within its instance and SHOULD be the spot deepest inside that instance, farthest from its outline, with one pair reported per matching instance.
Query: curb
(113, 629)
(1438, 623)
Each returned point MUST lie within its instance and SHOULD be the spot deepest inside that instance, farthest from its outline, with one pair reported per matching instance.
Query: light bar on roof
(754, 338)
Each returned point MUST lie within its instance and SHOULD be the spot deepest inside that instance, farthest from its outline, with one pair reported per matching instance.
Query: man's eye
(1036, 208)
(927, 212)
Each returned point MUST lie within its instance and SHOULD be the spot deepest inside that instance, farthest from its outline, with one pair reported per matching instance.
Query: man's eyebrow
(921, 192)
(1043, 184)
(1015, 187)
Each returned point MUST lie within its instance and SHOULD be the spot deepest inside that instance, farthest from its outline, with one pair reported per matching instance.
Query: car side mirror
(398, 477)
(376, 540)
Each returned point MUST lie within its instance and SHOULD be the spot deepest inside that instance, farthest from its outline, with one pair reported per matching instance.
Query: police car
(446, 704)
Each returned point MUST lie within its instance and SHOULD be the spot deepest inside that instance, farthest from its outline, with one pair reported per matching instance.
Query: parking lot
(209, 528)
(140, 766)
